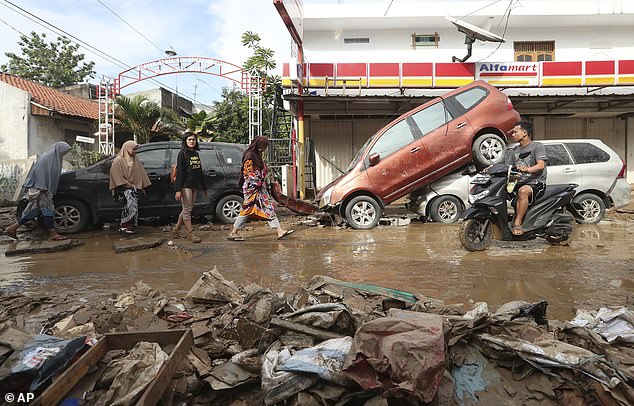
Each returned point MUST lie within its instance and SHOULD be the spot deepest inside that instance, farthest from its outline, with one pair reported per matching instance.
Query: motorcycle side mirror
(470, 170)
(374, 159)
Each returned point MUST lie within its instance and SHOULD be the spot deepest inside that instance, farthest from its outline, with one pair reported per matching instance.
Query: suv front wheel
(363, 212)
(228, 208)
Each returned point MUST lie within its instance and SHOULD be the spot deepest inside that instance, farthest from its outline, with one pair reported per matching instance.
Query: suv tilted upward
(83, 197)
(424, 144)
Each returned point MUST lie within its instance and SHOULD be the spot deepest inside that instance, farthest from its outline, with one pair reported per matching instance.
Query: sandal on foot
(286, 233)
(517, 230)
(235, 238)
(59, 237)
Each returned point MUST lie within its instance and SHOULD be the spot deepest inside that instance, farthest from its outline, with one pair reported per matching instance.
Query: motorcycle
(546, 217)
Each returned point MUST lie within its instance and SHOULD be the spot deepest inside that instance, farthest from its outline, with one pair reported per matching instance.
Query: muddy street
(420, 257)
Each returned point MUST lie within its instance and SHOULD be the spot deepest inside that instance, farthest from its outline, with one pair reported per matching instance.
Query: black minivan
(83, 198)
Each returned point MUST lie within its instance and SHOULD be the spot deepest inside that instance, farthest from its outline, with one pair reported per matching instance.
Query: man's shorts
(538, 191)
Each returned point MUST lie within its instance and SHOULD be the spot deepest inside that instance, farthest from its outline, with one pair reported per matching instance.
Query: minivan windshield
(357, 157)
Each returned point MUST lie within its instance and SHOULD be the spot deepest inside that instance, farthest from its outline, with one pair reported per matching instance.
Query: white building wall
(14, 122)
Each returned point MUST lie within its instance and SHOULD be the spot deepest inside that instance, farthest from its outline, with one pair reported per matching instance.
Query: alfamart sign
(513, 73)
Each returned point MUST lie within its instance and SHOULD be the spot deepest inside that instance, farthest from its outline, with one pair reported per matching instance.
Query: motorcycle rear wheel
(476, 234)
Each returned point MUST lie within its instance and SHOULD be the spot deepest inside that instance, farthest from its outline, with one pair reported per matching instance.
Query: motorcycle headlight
(476, 197)
(325, 199)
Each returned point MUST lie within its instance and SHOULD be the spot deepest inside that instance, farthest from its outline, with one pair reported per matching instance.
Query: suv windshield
(357, 157)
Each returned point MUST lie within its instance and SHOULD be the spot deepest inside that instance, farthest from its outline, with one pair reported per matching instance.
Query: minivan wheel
(363, 212)
(71, 216)
(445, 209)
(590, 208)
(228, 208)
(488, 149)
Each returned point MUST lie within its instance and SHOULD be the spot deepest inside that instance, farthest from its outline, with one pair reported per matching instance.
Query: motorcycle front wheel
(476, 234)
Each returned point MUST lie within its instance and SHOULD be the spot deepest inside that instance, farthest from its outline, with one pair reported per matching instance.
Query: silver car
(595, 167)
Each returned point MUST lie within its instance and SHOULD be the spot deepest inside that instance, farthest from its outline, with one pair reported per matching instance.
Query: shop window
(534, 51)
(425, 40)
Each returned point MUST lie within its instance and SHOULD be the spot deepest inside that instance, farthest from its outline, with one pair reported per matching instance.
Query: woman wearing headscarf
(189, 179)
(127, 178)
(257, 203)
(40, 187)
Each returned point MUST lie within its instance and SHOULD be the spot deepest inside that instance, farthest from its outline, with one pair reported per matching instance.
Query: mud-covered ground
(594, 270)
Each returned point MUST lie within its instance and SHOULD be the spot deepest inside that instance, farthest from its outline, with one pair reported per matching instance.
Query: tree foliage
(231, 114)
(203, 125)
(55, 64)
(145, 118)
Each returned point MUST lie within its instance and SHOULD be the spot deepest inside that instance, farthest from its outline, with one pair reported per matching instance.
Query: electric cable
(12, 27)
(40, 21)
(507, 13)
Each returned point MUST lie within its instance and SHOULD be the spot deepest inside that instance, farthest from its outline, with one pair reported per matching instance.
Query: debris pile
(343, 343)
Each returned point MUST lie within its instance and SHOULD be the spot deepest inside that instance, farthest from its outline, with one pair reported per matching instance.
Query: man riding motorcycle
(530, 160)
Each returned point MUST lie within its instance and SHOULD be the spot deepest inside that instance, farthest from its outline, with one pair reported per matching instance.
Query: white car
(595, 167)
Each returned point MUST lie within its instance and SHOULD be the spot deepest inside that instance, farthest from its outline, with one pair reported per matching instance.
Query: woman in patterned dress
(258, 202)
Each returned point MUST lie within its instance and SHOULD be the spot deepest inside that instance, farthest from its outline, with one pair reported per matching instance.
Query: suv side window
(431, 118)
(471, 97)
(586, 153)
(393, 139)
(557, 155)
(152, 159)
(231, 156)
(209, 159)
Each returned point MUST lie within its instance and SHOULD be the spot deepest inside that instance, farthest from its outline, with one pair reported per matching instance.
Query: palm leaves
(144, 118)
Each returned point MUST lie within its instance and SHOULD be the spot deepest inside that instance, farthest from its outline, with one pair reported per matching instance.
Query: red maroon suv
(467, 124)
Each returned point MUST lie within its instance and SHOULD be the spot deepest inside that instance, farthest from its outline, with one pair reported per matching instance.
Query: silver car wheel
(363, 213)
(492, 149)
(231, 209)
(589, 209)
(447, 210)
(66, 217)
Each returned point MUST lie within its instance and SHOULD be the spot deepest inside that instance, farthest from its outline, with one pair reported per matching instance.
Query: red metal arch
(179, 64)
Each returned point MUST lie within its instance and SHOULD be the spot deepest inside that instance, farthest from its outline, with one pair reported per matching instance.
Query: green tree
(202, 124)
(231, 117)
(145, 118)
(54, 64)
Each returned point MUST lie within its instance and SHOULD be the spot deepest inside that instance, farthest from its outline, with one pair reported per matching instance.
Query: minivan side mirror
(374, 159)
(470, 170)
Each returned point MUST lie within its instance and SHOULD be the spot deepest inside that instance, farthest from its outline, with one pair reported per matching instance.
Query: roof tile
(54, 99)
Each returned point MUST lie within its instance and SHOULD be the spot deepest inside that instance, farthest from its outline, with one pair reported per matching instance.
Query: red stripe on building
(418, 69)
(508, 74)
(384, 69)
(322, 69)
(351, 69)
(455, 69)
(561, 68)
(600, 68)
(285, 70)
(626, 67)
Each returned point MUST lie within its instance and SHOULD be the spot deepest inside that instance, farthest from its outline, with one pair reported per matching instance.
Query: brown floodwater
(594, 270)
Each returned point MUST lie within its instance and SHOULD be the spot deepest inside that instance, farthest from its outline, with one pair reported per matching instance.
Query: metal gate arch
(250, 83)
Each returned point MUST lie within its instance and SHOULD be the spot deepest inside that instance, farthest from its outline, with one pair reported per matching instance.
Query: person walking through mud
(127, 179)
(190, 178)
(39, 187)
(257, 203)
(530, 160)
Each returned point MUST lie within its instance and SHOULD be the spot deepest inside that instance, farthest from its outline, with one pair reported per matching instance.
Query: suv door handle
(461, 124)
(212, 173)
(415, 150)
(569, 170)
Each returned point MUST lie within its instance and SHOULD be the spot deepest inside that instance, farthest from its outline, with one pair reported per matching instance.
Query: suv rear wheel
(363, 212)
(488, 149)
(71, 216)
(590, 208)
(228, 208)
